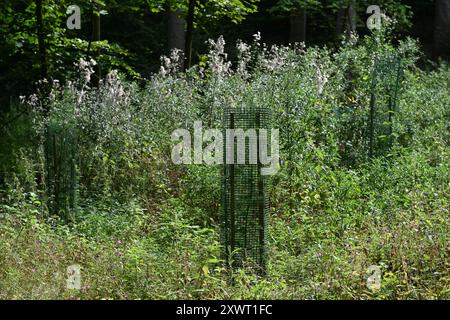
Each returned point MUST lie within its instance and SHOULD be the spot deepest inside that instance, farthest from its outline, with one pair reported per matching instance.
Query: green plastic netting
(61, 170)
(245, 194)
(384, 94)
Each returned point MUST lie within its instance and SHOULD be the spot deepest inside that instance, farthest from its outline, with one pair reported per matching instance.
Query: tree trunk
(346, 20)
(189, 33)
(441, 38)
(350, 20)
(96, 37)
(340, 22)
(177, 35)
(41, 40)
(297, 26)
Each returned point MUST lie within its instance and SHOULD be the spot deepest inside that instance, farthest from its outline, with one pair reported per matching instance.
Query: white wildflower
(86, 69)
(244, 56)
(173, 64)
(322, 79)
(275, 58)
(257, 37)
(217, 58)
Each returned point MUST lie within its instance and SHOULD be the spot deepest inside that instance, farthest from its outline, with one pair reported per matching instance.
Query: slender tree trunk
(441, 37)
(340, 22)
(177, 35)
(189, 34)
(350, 20)
(44, 88)
(41, 40)
(96, 37)
(297, 26)
(346, 21)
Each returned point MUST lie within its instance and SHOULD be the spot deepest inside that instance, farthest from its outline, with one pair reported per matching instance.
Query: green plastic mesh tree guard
(61, 170)
(386, 77)
(245, 194)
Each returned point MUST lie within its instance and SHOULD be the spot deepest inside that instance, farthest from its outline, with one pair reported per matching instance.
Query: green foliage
(295, 5)
(19, 43)
(147, 229)
(210, 10)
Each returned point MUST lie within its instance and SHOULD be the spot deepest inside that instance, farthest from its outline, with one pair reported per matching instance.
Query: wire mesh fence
(245, 192)
(61, 170)
(384, 94)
